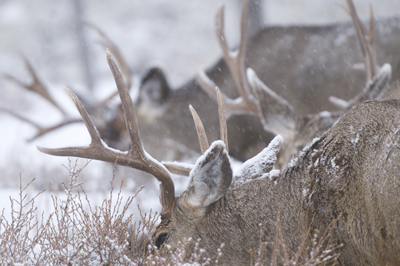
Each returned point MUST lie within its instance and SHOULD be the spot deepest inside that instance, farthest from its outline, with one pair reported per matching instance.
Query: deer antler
(136, 157)
(276, 114)
(377, 78)
(222, 124)
(106, 42)
(36, 86)
(235, 60)
(201, 133)
(366, 40)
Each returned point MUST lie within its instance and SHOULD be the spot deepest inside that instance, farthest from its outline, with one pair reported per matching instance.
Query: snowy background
(176, 34)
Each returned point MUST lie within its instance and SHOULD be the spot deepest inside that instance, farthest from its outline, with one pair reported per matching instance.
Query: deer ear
(154, 87)
(210, 178)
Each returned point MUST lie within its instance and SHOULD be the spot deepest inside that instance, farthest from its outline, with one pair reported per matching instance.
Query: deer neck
(251, 211)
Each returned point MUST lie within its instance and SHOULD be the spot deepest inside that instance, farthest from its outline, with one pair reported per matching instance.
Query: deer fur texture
(352, 170)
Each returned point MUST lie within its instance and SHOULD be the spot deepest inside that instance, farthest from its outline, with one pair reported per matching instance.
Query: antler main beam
(136, 157)
(235, 60)
(377, 78)
(271, 107)
(366, 40)
(107, 42)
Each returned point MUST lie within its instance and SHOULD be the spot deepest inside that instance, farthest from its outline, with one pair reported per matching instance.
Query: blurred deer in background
(304, 66)
(276, 114)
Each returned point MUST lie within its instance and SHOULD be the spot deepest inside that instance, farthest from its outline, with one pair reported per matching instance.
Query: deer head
(210, 177)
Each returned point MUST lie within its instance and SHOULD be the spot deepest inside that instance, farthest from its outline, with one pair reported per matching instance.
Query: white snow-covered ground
(177, 34)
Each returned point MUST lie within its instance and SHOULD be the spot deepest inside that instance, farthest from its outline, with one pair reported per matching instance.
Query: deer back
(307, 64)
(352, 171)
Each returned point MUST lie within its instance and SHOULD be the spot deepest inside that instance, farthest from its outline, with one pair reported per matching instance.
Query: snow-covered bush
(77, 233)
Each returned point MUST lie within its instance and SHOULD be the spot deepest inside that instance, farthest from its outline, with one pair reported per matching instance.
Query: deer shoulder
(353, 170)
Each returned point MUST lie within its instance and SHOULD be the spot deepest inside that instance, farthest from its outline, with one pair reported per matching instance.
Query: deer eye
(161, 239)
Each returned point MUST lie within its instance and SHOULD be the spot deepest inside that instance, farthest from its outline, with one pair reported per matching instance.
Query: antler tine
(223, 129)
(36, 86)
(40, 129)
(376, 78)
(201, 133)
(236, 64)
(127, 105)
(108, 43)
(243, 38)
(235, 61)
(96, 145)
(371, 46)
(180, 169)
(147, 163)
(20, 117)
(44, 130)
(232, 106)
(136, 157)
(366, 45)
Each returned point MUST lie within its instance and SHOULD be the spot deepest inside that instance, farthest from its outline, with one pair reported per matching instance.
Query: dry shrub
(20, 237)
(77, 233)
(179, 256)
(313, 250)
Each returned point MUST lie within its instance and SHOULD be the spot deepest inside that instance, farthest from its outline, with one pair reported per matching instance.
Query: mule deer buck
(278, 115)
(303, 65)
(352, 170)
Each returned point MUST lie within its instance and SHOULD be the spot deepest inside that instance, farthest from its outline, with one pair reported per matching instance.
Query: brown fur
(352, 170)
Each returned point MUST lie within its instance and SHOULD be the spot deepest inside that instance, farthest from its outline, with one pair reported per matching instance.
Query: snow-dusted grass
(314, 249)
(76, 231)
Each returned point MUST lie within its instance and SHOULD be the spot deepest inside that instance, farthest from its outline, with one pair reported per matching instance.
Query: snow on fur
(260, 164)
